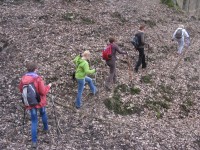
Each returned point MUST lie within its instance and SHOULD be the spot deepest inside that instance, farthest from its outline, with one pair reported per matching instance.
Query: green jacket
(82, 68)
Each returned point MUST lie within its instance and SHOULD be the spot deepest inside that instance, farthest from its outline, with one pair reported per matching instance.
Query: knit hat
(181, 26)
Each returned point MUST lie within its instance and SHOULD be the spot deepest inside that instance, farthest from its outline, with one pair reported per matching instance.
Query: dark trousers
(112, 76)
(141, 59)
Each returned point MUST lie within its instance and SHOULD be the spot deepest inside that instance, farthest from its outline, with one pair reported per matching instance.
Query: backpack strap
(111, 48)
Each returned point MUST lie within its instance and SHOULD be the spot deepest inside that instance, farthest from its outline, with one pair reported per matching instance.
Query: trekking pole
(129, 68)
(58, 130)
(24, 116)
(179, 61)
(95, 78)
(147, 56)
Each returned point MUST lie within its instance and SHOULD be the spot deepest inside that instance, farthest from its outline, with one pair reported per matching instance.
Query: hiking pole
(95, 77)
(179, 61)
(24, 116)
(129, 68)
(58, 130)
(147, 56)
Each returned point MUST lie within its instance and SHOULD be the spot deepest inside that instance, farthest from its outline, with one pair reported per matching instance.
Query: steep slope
(167, 115)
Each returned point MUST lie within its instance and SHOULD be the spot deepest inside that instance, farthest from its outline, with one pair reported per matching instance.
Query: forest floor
(154, 109)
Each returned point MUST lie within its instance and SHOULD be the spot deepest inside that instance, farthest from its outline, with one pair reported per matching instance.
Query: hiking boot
(97, 91)
(107, 88)
(144, 66)
(74, 104)
(45, 131)
(34, 145)
(77, 107)
(136, 70)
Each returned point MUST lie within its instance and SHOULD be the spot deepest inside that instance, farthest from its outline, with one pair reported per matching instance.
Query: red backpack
(107, 52)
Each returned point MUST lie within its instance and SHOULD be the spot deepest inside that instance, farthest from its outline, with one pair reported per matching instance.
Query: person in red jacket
(32, 77)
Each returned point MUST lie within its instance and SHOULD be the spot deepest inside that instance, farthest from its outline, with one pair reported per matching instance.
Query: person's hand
(96, 69)
(50, 84)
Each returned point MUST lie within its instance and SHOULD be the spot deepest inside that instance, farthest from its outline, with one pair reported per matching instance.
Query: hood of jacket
(79, 61)
(29, 77)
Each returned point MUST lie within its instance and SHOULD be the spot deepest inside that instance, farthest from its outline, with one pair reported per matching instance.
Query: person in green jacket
(82, 70)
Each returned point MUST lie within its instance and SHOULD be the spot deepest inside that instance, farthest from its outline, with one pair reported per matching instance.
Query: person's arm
(76, 59)
(185, 33)
(42, 88)
(20, 86)
(87, 70)
(142, 39)
(173, 37)
(118, 50)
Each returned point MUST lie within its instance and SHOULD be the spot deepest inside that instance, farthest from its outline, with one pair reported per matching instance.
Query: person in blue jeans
(32, 77)
(82, 70)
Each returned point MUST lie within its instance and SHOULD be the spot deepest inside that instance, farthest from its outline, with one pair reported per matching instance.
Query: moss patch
(185, 108)
(121, 88)
(117, 106)
(87, 21)
(167, 98)
(169, 3)
(151, 23)
(146, 79)
(134, 91)
(157, 106)
(119, 16)
(166, 89)
(68, 16)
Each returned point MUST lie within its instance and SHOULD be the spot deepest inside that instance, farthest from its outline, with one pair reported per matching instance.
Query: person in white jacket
(179, 36)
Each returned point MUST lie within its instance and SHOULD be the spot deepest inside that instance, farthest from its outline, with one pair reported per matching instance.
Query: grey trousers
(112, 78)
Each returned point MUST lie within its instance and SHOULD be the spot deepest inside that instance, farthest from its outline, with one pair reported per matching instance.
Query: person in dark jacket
(141, 59)
(112, 63)
(32, 77)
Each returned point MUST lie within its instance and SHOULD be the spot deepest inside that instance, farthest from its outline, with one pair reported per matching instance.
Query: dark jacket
(141, 38)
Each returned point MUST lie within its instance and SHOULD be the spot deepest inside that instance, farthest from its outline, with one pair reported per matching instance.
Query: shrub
(169, 3)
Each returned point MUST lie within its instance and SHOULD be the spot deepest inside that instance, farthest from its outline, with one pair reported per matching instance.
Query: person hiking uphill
(179, 36)
(112, 63)
(141, 40)
(32, 77)
(82, 70)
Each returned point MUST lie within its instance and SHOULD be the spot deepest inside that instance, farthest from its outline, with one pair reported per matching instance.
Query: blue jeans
(34, 122)
(81, 83)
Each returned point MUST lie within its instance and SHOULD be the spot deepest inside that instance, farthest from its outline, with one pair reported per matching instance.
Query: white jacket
(184, 33)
